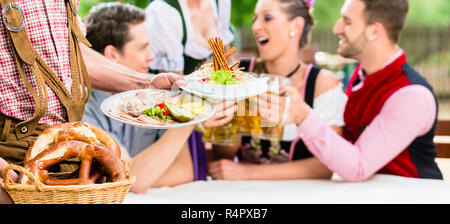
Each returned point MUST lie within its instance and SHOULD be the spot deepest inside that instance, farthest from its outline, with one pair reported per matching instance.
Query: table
(378, 189)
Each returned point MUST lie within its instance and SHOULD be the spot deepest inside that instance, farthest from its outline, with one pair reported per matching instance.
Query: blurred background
(425, 39)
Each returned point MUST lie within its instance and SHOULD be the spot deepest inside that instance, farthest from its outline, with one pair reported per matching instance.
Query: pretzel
(63, 151)
(81, 131)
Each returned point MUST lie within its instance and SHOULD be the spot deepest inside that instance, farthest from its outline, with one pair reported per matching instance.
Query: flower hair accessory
(309, 3)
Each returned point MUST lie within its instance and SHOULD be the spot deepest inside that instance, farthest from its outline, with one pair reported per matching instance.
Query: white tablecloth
(378, 189)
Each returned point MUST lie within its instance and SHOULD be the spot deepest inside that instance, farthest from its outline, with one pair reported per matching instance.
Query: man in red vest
(391, 111)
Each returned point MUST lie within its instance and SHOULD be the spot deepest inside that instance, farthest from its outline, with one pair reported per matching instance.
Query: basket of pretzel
(71, 163)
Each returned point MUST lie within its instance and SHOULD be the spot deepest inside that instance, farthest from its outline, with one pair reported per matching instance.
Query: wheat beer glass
(222, 135)
(270, 130)
(248, 117)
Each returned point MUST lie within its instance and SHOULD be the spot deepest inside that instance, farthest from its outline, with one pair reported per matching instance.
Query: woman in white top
(180, 29)
(281, 28)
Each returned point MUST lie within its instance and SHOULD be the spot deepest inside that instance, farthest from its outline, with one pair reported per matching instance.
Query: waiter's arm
(109, 76)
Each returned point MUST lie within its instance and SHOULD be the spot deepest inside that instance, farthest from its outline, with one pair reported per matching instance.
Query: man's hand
(166, 81)
(282, 109)
(223, 114)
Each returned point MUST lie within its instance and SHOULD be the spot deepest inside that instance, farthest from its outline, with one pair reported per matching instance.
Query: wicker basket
(107, 193)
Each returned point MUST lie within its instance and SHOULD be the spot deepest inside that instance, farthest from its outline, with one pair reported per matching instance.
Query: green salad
(158, 112)
(223, 77)
(167, 111)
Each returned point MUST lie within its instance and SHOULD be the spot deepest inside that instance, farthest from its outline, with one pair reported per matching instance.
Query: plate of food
(157, 108)
(218, 80)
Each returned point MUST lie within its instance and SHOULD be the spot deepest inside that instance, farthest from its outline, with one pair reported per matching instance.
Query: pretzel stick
(219, 62)
(234, 65)
(230, 52)
(219, 52)
(215, 55)
(222, 48)
(210, 42)
(219, 56)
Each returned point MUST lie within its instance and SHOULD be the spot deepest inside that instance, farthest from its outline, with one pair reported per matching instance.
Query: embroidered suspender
(24, 52)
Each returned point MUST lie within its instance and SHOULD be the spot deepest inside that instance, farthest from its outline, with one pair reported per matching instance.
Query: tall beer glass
(270, 130)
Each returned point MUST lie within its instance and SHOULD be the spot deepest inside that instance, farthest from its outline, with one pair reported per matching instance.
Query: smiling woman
(281, 28)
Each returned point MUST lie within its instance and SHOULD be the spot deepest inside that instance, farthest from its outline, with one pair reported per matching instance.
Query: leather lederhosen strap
(12, 149)
(17, 136)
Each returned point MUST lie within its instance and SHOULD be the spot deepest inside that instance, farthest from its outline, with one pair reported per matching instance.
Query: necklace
(293, 72)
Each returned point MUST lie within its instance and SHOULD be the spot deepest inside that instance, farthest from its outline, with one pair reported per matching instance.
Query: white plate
(226, 92)
(111, 104)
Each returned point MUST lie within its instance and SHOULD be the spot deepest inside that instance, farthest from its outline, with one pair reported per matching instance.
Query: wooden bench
(442, 138)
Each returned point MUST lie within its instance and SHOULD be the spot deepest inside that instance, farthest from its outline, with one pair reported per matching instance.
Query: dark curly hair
(107, 24)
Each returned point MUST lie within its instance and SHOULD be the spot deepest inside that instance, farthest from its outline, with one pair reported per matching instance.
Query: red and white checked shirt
(46, 23)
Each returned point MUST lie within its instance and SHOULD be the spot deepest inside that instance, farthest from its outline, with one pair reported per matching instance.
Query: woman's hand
(225, 169)
(286, 108)
(4, 197)
(224, 111)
